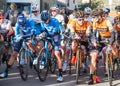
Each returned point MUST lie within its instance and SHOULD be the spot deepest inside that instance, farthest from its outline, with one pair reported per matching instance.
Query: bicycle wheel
(109, 71)
(52, 63)
(23, 64)
(78, 66)
(42, 65)
(70, 57)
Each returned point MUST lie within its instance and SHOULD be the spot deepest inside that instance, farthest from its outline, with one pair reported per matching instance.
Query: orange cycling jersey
(104, 27)
(117, 28)
(81, 30)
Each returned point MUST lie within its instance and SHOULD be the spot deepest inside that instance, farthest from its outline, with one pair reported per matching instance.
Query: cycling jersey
(5, 25)
(61, 20)
(104, 28)
(53, 30)
(37, 21)
(81, 30)
(26, 29)
(117, 29)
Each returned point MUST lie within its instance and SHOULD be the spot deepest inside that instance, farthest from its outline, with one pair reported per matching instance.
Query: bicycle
(26, 58)
(46, 61)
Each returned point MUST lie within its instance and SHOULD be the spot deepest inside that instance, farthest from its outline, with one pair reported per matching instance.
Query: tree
(92, 4)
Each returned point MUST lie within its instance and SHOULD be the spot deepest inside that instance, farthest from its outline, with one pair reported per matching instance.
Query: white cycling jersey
(6, 25)
(36, 19)
(60, 18)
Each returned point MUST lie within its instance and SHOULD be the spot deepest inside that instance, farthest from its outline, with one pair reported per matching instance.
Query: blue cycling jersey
(52, 27)
(26, 29)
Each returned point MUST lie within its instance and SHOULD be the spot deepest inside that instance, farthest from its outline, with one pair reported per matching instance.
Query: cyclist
(52, 28)
(60, 18)
(5, 25)
(102, 27)
(37, 20)
(24, 26)
(80, 29)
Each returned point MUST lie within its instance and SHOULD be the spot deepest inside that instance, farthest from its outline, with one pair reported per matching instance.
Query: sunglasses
(80, 19)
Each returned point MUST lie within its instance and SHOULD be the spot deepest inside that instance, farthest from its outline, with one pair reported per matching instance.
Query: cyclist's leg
(59, 62)
(74, 49)
(15, 53)
(93, 56)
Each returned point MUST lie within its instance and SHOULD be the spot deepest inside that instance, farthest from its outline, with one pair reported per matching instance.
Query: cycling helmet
(117, 19)
(97, 12)
(21, 19)
(117, 8)
(2, 14)
(45, 15)
(106, 10)
(35, 8)
(87, 10)
(79, 14)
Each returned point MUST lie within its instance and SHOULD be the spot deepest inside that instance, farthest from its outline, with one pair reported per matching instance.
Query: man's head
(13, 5)
(106, 12)
(87, 11)
(80, 17)
(54, 10)
(45, 16)
(2, 16)
(97, 15)
(21, 20)
(117, 8)
(35, 10)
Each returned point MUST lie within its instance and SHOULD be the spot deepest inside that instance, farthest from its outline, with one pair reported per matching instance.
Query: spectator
(12, 14)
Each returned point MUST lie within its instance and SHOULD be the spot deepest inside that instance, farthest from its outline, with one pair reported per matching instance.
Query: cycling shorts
(17, 46)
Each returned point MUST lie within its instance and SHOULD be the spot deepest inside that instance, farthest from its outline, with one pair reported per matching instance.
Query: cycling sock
(60, 72)
(74, 54)
(8, 68)
(91, 76)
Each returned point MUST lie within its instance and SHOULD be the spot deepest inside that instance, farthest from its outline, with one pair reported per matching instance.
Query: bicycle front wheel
(23, 64)
(42, 65)
(77, 66)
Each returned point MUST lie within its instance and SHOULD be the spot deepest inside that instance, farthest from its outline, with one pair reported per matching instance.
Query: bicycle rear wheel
(52, 64)
(70, 57)
(109, 71)
(23, 64)
(78, 66)
(42, 65)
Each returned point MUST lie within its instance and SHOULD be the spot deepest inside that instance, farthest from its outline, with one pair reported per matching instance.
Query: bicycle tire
(70, 65)
(42, 72)
(78, 67)
(110, 74)
(52, 63)
(23, 67)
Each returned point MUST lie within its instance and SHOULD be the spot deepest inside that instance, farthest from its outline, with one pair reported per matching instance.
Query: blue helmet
(45, 15)
(21, 19)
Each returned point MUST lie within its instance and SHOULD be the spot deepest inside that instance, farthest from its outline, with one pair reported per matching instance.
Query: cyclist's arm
(112, 31)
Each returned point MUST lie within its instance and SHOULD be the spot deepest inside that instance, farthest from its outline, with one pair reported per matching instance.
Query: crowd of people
(90, 26)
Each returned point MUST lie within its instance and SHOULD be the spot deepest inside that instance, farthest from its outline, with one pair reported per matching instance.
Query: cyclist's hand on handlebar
(43, 34)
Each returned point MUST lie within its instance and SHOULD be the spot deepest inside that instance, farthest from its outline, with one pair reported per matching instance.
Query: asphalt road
(14, 78)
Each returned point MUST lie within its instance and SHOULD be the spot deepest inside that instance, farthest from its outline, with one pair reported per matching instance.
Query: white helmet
(87, 10)
(106, 10)
(34, 7)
